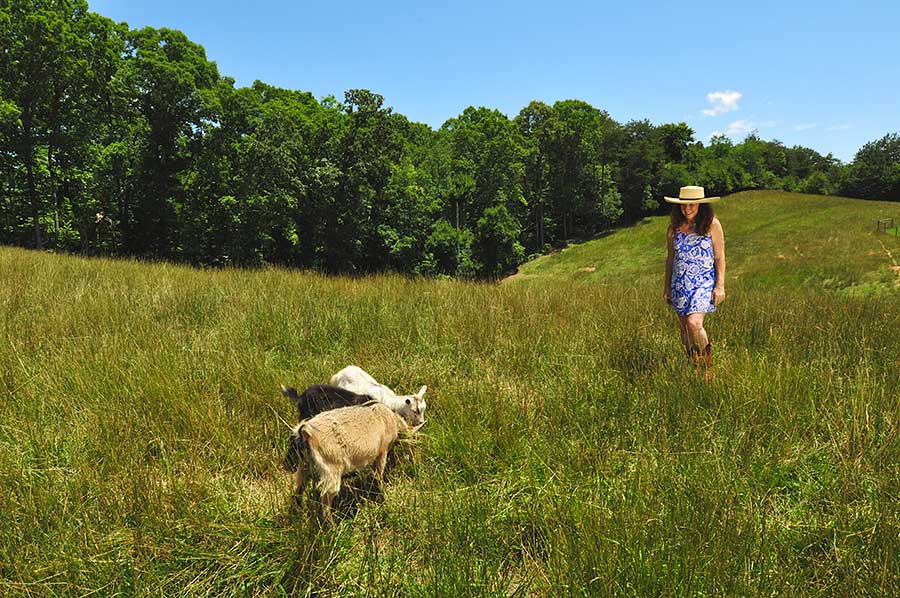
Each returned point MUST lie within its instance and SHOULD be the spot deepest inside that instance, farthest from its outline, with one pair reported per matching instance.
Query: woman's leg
(696, 332)
(686, 341)
(701, 341)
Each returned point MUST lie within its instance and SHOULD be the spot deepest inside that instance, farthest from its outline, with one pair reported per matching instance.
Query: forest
(130, 142)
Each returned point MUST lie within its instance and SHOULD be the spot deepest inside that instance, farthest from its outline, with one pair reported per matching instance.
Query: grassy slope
(567, 449)
(772, 238)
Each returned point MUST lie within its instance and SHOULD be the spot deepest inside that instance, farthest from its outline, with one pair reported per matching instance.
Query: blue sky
(825, 75)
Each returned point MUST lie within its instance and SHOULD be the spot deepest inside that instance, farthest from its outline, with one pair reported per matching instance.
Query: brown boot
(708, 362)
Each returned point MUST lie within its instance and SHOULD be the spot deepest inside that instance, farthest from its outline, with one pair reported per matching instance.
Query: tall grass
(569, 450)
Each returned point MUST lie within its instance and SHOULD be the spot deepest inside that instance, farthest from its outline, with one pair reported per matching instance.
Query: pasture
(568, 450)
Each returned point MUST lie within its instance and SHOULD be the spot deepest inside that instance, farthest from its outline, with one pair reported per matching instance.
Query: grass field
(568, 449)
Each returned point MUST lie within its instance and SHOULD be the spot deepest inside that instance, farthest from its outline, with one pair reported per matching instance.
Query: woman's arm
(670, 243)
(718, 243)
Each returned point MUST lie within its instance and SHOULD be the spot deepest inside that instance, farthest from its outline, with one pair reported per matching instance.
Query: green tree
(817, 183)
(875, 170)
(448, 250)
(641, 160)
(57, 74)
(496, 248)
(581, 163)
(485, 171)
(759, 160)
(129, 142)
(716, 169)
(91, 119)
(370, 145)
(38, 68)
(801, 162)
(410, 206)
(675, 140)
(535, 125)
(263, 183)
(170, 76)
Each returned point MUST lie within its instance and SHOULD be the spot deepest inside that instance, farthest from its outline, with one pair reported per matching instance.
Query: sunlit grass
(569, 450)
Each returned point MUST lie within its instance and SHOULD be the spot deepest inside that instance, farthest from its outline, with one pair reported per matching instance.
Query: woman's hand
(718, 295)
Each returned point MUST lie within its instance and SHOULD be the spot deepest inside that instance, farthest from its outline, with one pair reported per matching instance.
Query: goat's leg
(379, 466)
(301, 477)
(328, 488)
(326, 508)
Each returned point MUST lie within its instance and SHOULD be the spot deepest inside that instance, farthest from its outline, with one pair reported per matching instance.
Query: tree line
(115, 141)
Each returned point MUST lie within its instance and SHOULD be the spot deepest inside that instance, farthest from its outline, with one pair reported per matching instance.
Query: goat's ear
(421, 391)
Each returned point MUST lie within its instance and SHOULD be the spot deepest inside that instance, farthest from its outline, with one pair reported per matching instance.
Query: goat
(409, 407)
(338, 442)
(321, 397)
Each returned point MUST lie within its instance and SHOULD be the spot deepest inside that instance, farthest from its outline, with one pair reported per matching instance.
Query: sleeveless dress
(693, 274)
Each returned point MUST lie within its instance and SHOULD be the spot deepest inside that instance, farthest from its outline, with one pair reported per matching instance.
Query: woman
(695, 270)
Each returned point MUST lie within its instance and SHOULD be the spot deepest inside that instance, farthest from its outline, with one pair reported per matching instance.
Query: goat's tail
(298, 449)
(291, 393)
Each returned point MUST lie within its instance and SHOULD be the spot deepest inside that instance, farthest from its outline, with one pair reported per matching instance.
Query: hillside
(772, 239)
(568, 450)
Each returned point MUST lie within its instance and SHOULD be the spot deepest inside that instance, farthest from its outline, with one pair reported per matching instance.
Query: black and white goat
(321, 397)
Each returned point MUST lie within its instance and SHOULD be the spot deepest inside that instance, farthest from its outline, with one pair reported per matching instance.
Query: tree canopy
(129, 142)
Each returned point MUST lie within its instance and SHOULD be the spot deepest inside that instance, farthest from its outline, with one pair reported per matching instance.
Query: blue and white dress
(693, 274)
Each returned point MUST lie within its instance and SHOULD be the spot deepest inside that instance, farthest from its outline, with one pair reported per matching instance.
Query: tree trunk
(7, 208)
(28, 144)
(540, 227)
(53, 185)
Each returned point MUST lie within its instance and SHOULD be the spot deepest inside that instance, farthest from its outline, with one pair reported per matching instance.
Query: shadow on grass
(635, 360)
(315, 555)
(355, 489)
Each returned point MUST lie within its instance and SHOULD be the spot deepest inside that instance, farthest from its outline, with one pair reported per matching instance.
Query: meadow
(568, 449)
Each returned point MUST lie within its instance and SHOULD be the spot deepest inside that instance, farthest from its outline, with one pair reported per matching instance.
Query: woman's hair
(704, 218)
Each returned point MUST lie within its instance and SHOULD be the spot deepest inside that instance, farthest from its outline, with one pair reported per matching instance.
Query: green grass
(568, 451)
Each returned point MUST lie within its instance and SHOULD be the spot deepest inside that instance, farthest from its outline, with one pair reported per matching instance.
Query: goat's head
(413, 408)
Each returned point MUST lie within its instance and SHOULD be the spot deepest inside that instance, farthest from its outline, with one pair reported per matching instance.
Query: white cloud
(739, 127)
(805, 127)
(735, 129)
(722, 101)
(842, 127)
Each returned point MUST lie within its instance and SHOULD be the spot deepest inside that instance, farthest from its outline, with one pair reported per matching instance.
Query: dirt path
(894, 267)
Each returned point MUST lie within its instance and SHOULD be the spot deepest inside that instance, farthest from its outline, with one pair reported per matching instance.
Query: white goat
(409, 407)
(341, 441)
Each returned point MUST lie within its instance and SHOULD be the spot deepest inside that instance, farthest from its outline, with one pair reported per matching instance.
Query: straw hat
(691, 194)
